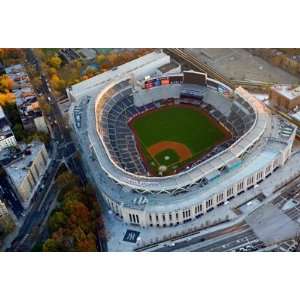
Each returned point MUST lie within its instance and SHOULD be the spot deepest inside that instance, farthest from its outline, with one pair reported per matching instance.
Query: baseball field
(172, 137)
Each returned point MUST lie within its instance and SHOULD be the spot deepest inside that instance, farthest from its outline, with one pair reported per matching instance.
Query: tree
(57, 220)
(19, 132)
(7, 98)
(51, 245)
(90, 72)
(87, 244)
(44, 105)
(55, 62)
(67, 179)
(52, 71)
(37, 136)
(100, 59)
(36, 82)
(6, 84)
(74, 194)
(11, 111)
(57, 83)
(10, 56)
(113, 58)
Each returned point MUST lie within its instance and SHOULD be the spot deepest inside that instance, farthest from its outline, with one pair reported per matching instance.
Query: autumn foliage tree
(55, 61)
(57, 83)
(6, 84)
(73, 226)
(7, 98)
(10, 56)
(67, 178)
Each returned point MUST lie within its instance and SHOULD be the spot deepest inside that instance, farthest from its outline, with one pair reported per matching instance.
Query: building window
(133, 216)
(137, 219)
(170, 217)
(229, 192)
(150, 218)
(220, 197)
(156, 218)
(164, 217)
(240, 186)
(177, 216)
(130, 218)
(209, 203)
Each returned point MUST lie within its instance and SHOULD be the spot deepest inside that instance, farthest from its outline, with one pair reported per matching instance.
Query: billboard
(165, 81)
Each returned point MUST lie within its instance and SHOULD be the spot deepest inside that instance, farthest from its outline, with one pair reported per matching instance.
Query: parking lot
(239, 64)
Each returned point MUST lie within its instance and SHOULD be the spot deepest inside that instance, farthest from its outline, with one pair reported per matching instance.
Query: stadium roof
(96, 82)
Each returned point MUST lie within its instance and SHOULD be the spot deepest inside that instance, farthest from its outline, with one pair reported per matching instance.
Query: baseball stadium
(165, 148)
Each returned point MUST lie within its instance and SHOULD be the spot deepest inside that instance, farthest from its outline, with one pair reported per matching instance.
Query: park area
(172, 137)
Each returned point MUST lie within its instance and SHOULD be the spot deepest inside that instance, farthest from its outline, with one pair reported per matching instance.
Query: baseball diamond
(186, 131)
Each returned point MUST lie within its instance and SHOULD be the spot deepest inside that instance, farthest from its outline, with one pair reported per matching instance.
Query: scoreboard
(191, 77)
(150, 83)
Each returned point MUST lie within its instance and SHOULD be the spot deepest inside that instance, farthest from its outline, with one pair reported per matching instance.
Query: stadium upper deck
(188, 177)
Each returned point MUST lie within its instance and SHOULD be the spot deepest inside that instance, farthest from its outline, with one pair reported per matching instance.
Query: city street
(234, 238)
(62, 150)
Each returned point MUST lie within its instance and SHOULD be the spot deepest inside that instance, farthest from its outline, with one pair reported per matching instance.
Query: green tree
(44, 105)
(57, 220)
(19, 132)
(51, 245)
(36, 136)
(100, 59)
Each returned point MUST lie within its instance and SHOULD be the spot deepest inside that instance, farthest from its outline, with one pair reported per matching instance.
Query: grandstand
(260, 143)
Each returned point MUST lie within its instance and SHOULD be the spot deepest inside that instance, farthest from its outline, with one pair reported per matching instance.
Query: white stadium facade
(101, 107)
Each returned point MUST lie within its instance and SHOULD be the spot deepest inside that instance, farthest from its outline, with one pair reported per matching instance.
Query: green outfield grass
(180, 124)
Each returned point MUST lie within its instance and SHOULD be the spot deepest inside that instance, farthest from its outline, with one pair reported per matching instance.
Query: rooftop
(26, 101)
(97, 82)
(17, 169)
(287, 91)
(168, 67)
